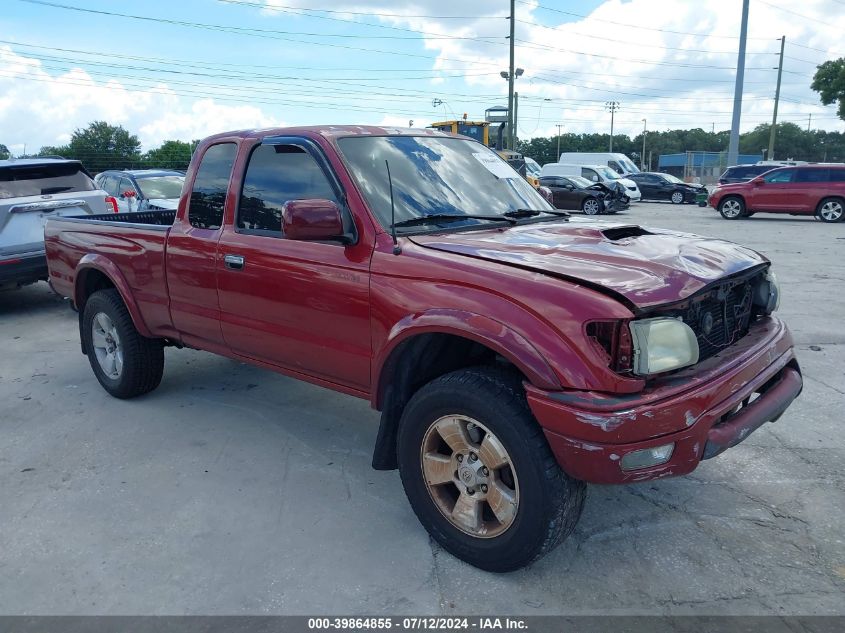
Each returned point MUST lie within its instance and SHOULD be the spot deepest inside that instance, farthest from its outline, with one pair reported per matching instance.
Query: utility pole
(733, 145)
(613, 106)
(809, 120)
(511, 76)
(771, 154)
(642, 156)
(558, 142)
(515, 119)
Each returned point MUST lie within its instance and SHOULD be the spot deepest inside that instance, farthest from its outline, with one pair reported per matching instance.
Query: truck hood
(644, 267)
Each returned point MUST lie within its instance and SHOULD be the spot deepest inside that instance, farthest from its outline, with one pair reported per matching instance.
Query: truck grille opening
(721, 316)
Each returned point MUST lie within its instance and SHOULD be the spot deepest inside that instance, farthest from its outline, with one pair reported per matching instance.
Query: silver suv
(31, 190)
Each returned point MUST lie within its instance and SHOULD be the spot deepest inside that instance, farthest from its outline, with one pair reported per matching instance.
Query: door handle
(234, 262)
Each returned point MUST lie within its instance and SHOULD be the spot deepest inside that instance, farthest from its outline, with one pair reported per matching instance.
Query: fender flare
(107, 267)
(475, 327)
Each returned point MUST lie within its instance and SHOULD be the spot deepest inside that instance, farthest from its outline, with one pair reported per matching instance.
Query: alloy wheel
(470, 476)
(107, 346)
(831, 211)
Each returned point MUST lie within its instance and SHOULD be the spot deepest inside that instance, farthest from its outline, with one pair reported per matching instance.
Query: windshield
(532, 166)
(672, 178)
(161, 187)
(581, 183)
(42, 180)
(433, 175)
(630, 168)
(607, 173)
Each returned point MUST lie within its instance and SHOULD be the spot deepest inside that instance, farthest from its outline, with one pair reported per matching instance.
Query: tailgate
(22, 220)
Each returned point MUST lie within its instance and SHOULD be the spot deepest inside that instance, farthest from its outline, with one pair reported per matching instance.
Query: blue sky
(246, 63)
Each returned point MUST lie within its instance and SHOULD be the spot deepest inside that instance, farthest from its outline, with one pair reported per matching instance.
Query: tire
(677, 197)
(126, 363)
(545, 503)
(831, 210)
(732, 208)
(591, 206)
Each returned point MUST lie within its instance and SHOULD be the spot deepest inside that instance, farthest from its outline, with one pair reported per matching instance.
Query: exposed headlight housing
(662, 344)
(767, 293)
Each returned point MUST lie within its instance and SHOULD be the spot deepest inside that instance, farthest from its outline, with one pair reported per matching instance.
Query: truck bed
(132, 245)
(152, 218)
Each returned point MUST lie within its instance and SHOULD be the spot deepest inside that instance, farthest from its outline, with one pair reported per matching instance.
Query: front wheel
(830, 210)
(479, 473)
(732, 208)
(591, 206)
(126, 363)
(677, 197)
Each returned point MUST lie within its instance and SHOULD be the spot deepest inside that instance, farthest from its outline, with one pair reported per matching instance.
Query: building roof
(703, 159)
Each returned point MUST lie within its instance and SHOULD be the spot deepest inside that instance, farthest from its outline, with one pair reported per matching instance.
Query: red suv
(807, 190)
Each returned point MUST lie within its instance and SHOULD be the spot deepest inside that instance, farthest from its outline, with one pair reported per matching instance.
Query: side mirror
(570, 187)
(312, 220)
(757, 182)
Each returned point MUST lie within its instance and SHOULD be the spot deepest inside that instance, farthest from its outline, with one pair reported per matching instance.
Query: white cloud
(38, 108)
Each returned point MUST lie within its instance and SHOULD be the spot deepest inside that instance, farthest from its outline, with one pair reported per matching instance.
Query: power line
(634, 26)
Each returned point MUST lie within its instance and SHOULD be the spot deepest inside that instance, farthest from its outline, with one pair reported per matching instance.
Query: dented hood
(646, 267)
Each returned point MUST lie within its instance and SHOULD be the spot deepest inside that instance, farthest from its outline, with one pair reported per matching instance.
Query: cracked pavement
(232, 490)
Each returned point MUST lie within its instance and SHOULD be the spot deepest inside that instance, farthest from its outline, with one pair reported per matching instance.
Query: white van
(619, 163)
(594, 173)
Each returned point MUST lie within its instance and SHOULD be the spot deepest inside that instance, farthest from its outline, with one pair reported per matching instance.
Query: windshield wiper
(439, 217)
(530, 213)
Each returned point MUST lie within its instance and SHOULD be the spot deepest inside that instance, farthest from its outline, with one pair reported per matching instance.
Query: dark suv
(743, 173)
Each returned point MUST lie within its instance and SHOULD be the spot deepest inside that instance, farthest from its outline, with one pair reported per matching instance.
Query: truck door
(299, 305)
(192, 250)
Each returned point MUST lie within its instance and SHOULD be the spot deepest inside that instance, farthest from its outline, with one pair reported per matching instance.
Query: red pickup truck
(514, 353)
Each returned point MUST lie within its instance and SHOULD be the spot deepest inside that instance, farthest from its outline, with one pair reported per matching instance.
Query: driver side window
(590, 174)
(780, 176)
(275, 175)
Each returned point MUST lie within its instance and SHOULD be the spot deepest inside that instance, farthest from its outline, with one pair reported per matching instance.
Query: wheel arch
(424, 347)
(95, 272)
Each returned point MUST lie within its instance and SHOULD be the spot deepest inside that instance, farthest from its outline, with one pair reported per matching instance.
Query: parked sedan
(580, 194)
(660, 186)
(143, 189)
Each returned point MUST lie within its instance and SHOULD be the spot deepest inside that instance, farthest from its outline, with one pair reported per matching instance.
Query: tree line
(102, 146)
(791, 142)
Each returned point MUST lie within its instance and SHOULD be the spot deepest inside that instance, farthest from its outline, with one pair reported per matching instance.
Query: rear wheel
(732, 208)
(591, 206)
(479, 473)
(126, 363)
(677, 197)
(830, 210)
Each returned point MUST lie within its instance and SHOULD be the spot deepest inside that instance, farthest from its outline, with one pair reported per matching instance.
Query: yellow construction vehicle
(480, 131)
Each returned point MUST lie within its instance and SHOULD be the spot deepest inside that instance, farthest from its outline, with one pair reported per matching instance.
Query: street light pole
(613, 106)
(511, 77)
(558, 142)
(642, 157)
(733, 145)
(772, 132)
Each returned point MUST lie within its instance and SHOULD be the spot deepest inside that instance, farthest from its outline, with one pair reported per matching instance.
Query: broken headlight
(662, 344)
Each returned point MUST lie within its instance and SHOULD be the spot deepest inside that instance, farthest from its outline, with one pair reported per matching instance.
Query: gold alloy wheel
(469, 476)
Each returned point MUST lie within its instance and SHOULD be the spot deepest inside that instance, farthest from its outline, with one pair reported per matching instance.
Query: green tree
(102, 146)
(171, 155)
(4, 152)
(829, 82)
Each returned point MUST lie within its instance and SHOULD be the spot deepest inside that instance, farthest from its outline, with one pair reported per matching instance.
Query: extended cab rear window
(208, 196)
(43, 180)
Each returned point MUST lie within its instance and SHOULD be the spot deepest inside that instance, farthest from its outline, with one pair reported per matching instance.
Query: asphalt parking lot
(232, 490)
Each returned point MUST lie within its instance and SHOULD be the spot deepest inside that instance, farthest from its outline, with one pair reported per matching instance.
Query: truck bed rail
(156, 218)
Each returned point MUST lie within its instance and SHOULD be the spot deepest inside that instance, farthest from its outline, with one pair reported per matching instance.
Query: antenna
(396, 248)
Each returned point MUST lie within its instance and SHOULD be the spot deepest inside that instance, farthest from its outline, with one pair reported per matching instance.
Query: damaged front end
(614, 196)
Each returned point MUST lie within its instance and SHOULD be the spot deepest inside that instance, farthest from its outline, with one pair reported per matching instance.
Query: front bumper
(703, 410)
(26, 268)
